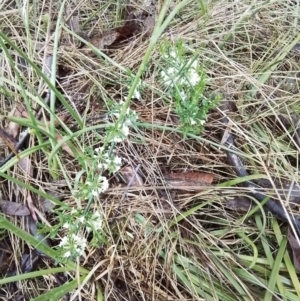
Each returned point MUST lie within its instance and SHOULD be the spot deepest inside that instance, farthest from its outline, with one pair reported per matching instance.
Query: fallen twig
(271, 205)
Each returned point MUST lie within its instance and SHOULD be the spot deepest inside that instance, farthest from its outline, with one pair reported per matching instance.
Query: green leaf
(58, 292)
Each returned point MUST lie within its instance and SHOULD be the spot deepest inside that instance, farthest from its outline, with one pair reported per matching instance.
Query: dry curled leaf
(188, 179)
(239, 203)
(131, 176)
(8, 141)
(65, 146)
(47, 205)
(295, 249)
(13, 208)
(113, 36)
(131, 27)
(13, 128)
(149, 25)
(26, 166)
(107, 39)
(33, 230)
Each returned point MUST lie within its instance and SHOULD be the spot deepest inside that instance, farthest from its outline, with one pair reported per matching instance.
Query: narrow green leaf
(58, 292)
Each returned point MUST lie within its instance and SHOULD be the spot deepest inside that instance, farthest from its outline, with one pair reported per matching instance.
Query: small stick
(271, 205)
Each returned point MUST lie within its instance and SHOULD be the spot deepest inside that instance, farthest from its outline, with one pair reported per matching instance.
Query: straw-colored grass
(161, 244)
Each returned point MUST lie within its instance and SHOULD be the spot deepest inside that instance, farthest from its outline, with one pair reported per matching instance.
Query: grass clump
(119, 120)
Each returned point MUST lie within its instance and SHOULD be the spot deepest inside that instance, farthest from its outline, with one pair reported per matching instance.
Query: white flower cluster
(121, 134)
(123, 128)
(103, 159)
(182, 76)
(95, 222)
(107, 161)
(136, 92)
(101, 186)
(173, 75)
(74, 245)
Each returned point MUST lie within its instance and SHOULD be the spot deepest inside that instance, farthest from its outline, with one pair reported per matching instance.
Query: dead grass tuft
(161, 243)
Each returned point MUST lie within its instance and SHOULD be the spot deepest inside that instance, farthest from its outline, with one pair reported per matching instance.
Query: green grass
(155, 242)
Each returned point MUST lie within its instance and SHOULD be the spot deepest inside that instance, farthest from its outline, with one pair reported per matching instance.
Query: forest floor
(150, 150)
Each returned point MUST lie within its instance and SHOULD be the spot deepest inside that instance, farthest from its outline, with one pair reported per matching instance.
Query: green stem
(5, 224)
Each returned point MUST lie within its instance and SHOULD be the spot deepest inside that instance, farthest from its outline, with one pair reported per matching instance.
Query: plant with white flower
(72, 245)
(185, 83)
(100, 186)
(71, 226)
(74, 225)
(95, 222)
(120, 130)
(107, 161)
(93, 185)
(137, 93)
(82, 227)
(90, 182)
(95, 226)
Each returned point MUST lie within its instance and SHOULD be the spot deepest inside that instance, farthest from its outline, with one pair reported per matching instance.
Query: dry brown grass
(190, 247)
